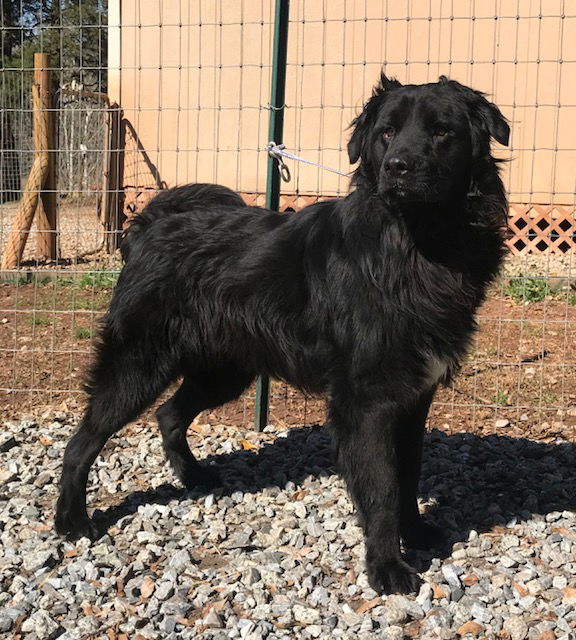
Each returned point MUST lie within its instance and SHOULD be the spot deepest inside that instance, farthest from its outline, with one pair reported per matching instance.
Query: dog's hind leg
(125, 381)
(196, 393)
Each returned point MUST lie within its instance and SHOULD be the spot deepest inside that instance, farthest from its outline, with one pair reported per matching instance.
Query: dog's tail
(177, 200)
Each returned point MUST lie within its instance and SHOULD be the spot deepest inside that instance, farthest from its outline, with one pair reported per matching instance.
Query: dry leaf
(248, 446)
(470, 627)
(438, 592)
(186, 622)
(470, 579)
(46, 441)
(521, 589)
(369, 604)
(413, 629)
(217, 606)
(569, 594)
(147, 587)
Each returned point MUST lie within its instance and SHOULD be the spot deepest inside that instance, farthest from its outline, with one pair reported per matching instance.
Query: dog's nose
(396, 166)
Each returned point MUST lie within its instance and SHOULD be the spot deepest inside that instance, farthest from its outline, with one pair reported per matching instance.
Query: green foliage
(100, 279)
(72, 32)
(97, 279)
(41, 321)
(502, 398)
(523, 289)
(82, 333)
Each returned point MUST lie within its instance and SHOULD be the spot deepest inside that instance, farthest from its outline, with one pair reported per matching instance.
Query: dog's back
(188, 197)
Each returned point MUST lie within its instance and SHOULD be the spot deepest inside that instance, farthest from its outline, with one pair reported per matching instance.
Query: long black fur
(369, 299)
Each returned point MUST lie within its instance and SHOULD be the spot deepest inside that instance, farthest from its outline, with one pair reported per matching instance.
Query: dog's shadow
(471, 482)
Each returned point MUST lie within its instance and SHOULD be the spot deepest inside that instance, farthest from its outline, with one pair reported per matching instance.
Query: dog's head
(424, 143)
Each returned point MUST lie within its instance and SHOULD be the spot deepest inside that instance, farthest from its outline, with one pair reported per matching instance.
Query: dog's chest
(436, 370)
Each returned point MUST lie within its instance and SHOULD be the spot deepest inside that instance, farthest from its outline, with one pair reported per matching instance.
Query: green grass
(40, 321)
(527, 289)
(97, 279)
(502, 398)
(82, 333)
(548, 398)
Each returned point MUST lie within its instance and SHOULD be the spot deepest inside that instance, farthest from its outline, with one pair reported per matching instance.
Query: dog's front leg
(364, 432)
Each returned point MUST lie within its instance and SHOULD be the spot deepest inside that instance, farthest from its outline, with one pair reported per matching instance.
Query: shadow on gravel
(473, 482)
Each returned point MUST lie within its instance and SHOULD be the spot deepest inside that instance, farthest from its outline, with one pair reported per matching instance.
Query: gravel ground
(277, 552)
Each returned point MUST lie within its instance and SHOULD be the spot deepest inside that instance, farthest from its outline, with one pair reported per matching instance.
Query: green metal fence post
(275, 133)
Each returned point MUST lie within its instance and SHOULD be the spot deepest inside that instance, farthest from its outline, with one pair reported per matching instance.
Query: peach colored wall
(195, 74)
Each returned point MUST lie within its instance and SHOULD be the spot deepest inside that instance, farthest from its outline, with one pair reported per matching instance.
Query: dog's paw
(392, 576)
(201, 476)
(75, 526)
(422, 535)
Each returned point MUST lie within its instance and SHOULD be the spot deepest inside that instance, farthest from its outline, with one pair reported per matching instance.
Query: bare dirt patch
(520, 378)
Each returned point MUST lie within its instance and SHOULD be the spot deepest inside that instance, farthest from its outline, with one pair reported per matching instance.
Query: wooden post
(37, 178)
(30, 196)
(46, 214)
(113, 206)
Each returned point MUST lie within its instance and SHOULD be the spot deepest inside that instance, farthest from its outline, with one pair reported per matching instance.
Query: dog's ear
(495, 122)
(386, 84)
(363, 123)
(482, 111)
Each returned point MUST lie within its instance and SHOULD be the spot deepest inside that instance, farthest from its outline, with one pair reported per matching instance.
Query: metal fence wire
(137, 96)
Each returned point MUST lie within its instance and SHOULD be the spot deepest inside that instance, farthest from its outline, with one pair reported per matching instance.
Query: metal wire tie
(278, 151)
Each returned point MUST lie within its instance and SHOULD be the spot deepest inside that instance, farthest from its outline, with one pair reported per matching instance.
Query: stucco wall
(193, 79)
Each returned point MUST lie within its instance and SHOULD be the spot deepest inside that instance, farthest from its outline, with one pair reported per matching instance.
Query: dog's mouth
(409, 191)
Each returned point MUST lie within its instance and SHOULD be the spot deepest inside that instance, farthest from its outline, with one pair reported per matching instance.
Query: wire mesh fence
(150, 95)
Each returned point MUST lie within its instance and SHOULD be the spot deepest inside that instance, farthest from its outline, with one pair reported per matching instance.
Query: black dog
(369, 299)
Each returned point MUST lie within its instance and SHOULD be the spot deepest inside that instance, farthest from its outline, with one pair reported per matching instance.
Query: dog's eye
(389, 132)
(440, 131)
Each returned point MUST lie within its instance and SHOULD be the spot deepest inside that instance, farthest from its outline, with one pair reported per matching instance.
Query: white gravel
(277, 553)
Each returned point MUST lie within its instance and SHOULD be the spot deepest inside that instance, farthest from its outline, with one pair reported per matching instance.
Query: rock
(392, 633)
(8, 443)
(305, 615)
(424, 597)
(42, 479)
(41, 624)
(480, 612)
(180, 561)
(396, 610)
(164, 590)
(34, 560)
(6, 623)
(452, 574)
(213, 620)
(437, 619)
(252, 576)
(516, 627)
